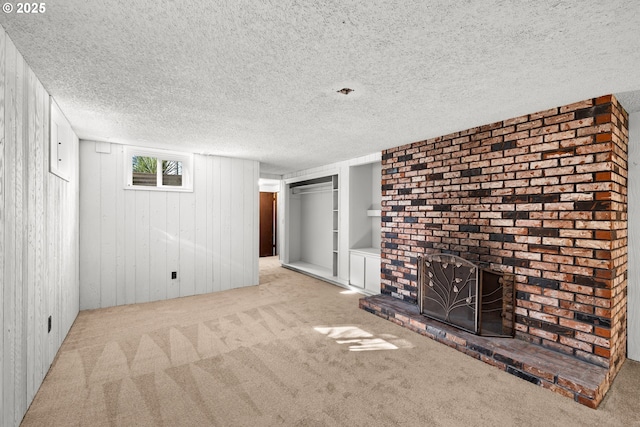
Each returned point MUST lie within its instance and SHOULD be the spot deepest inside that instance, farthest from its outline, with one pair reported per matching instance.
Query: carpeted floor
(292, 351)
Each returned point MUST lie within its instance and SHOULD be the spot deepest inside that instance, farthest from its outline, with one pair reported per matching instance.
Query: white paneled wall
(131, 240)
(633, 286)
(38, 237)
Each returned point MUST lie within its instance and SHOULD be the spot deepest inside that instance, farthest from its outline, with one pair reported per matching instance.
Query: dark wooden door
(268, 220)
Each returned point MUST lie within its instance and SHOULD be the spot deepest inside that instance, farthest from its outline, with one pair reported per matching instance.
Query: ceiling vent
(345, 91)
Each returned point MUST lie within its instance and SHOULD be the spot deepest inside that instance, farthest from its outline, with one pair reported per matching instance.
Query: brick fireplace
(541, 196)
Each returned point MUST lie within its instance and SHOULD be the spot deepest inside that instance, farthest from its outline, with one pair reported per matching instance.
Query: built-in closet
(313, 226)
(332, 227)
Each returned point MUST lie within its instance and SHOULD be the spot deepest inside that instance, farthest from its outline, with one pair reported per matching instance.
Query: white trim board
(633, 285)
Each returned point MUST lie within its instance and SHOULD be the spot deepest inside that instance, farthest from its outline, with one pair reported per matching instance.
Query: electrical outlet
(49, 325)
(174, 274)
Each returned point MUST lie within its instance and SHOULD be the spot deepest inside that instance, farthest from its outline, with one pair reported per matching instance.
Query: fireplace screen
(458, 292)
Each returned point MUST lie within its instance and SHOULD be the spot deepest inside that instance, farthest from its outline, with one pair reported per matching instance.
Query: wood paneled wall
(38, 238)
(633, 291)
(131, 240)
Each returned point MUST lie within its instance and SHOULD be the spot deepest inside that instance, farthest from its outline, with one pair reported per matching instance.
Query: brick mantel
(542, 196)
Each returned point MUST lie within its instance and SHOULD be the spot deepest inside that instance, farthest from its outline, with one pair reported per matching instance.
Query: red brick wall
(618, 331)
(543, 196)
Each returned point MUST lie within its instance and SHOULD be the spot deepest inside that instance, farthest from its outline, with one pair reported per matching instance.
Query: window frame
(160, 155)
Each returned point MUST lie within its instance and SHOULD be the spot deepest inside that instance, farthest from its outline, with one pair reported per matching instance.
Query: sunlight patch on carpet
(360, 340)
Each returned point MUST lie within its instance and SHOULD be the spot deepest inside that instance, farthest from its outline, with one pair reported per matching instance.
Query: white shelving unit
(365, 227)
(336, 223)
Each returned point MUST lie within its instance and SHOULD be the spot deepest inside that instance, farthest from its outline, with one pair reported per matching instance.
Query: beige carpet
(292, 351)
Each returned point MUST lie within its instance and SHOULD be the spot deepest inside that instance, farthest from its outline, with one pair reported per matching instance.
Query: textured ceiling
(259, 79)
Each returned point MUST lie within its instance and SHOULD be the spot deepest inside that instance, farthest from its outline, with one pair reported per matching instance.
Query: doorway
(268, 223)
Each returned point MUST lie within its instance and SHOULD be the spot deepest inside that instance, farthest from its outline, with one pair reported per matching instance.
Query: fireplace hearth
(460, 293)
(563, 374)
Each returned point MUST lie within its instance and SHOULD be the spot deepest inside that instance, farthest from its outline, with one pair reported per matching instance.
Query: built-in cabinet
(365, 226)
(364, 269)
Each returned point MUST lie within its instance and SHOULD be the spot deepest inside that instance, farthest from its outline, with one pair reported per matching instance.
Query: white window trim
(185, 158)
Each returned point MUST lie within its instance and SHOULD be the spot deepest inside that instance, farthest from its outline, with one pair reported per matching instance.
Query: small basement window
(150, 169)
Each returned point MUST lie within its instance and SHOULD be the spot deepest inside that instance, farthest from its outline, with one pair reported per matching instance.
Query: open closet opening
(313, 226)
